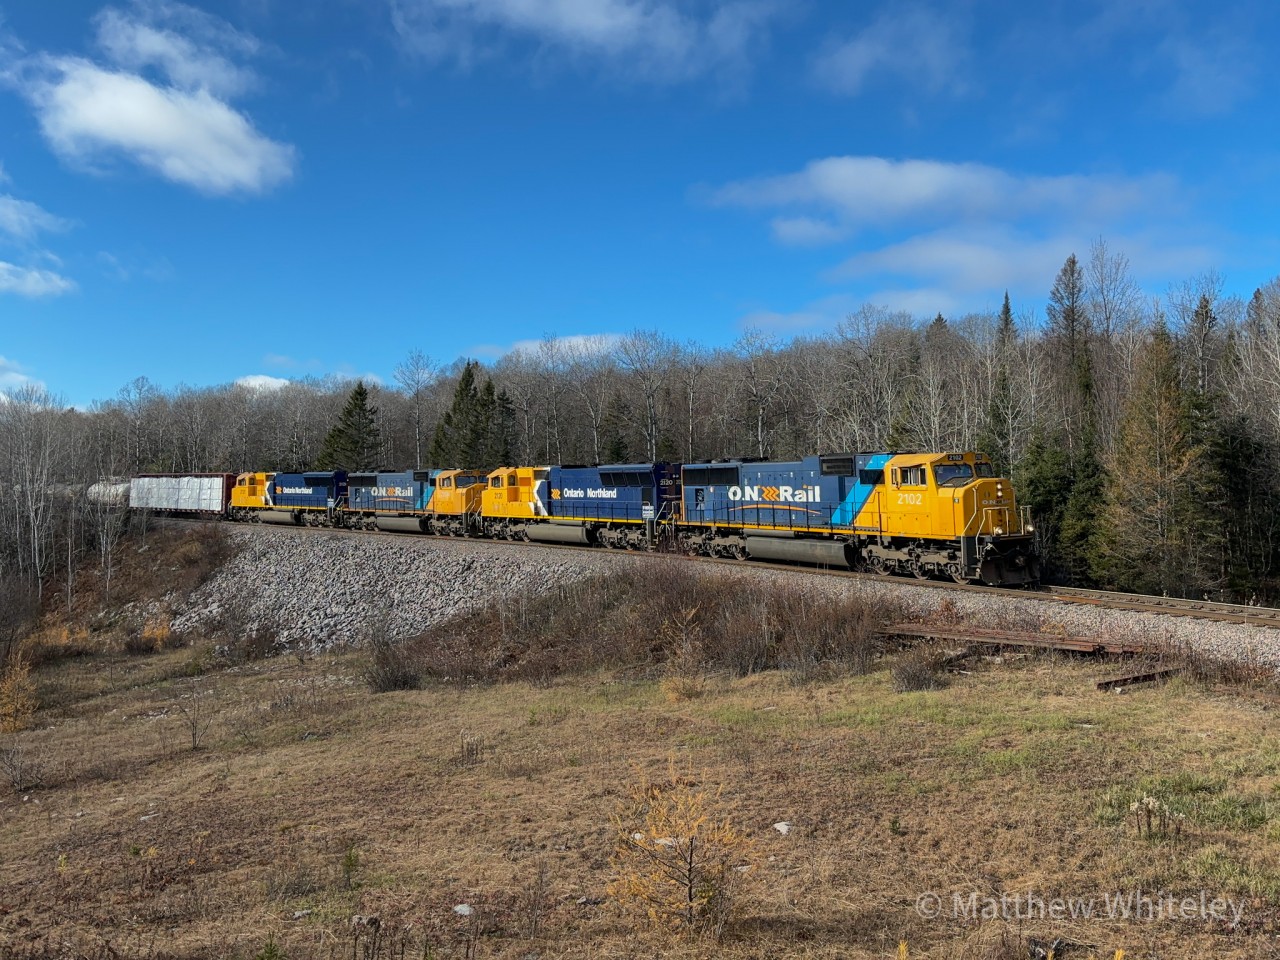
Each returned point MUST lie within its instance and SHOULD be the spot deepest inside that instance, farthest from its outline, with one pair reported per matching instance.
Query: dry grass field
(170, 804)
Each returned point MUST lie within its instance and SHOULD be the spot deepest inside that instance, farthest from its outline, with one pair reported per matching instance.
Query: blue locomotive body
(309, 491)
(400, 492)
(613, 493)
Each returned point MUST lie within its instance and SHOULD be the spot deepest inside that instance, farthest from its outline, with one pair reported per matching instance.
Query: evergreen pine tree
(1044, 482)
(902, 435)
(1256, 312)
(1071, 333)
(1247, 464)
(451, 446)
(996, 438)
(613, 430)
(1079, 536)
(1070, 329)
(354, 441)
(478, 429)
(1149, 519)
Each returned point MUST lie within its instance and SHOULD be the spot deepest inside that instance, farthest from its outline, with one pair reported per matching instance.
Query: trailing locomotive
(919, 514)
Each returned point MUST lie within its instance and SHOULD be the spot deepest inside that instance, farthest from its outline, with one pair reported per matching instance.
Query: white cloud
(179, 125)
(913, 43)
(967, 260)
(1213, 71)
(193, 138)
(857, 192)
(22, 219)
(820, 315)
(575, 342)
(919, 301)
(963, 264)
(806, 231)
(648, 39)
(12, 377)
(190, 64)
(32, 282)
(262, 383)
(928, 236)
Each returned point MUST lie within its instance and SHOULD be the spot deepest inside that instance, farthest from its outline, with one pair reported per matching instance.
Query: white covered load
(185, 494)
(111, 493)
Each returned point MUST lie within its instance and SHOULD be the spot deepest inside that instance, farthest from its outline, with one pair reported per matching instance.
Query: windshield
(952, 474)
(986, 470)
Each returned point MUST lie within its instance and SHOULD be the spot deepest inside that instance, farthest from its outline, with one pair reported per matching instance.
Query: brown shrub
(919, 668)
(17, 694)
(171, 558)
(660, 612)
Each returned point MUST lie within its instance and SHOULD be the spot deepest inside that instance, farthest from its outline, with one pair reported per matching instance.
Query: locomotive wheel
(956, 574)
(739, 551)
(919, 570)
(878, 565)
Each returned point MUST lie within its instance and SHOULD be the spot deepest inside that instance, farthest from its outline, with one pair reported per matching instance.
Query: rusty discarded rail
(1011, 638)
(1149, 675)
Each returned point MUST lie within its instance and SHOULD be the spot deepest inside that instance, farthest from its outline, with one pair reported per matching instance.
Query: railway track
(1265, 617)
(1171, 606)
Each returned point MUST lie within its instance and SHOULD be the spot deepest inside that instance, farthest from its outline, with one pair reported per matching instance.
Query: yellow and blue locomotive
(923, 514)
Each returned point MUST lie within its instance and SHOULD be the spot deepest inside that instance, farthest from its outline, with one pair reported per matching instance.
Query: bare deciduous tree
(648, 357)
(415, 375)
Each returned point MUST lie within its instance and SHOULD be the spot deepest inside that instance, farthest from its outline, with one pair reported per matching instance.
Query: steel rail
(1265, 617)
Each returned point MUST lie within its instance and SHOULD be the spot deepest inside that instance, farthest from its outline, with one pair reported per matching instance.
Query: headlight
(1031, 528)
(998, 531)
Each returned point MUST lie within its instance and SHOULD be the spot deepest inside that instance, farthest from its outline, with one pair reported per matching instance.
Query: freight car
(193, 494)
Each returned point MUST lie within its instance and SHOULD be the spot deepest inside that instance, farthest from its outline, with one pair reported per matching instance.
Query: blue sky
(261, 188)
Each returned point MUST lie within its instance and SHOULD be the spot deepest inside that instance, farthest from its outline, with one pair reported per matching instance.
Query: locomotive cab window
(952, 474)
(986, 470)
(913, 476)
(495, 482)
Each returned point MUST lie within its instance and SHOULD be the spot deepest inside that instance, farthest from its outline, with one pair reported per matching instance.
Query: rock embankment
(318, 589)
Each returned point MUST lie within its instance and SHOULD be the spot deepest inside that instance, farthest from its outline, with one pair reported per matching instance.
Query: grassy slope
(309, 793)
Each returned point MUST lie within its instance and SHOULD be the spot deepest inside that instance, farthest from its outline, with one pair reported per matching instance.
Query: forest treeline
(1143, 431)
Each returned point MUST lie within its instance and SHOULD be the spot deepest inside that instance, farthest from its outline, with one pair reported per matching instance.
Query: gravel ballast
(324, 589)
